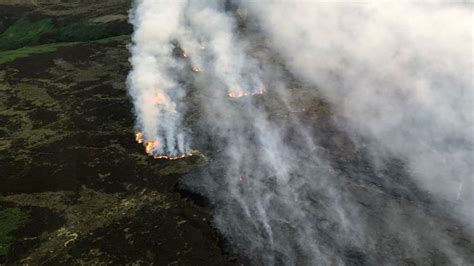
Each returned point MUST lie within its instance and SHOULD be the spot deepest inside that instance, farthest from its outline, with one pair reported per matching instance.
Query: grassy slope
(10, 220)
(8, 56)
(11, 55)
(24, 33)
(20, 40)
(25, 37)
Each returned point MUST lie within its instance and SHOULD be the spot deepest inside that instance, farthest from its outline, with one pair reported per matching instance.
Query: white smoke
(205, 36)
(397, 78)
(153, 82)
(400, 74)
(224, 53)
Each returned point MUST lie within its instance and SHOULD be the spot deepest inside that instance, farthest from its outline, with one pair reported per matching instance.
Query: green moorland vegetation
(24, 33)
(10, 220)
(28, 33)
(10, 55)
(25, 37)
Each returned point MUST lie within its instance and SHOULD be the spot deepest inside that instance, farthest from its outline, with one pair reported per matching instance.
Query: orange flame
(150, 146)
(184, 155)
(139, 137)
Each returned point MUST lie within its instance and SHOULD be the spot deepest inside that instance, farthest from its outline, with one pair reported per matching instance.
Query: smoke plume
(400, 75)
(154, 81)
(338, 133)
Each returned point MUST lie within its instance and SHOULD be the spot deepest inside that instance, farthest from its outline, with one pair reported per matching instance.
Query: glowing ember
(188, 154)
(238, 94)
(139, 137)
(151, 146)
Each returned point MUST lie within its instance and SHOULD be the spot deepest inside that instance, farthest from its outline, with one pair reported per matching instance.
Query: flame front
(152, 146)
(184, 155)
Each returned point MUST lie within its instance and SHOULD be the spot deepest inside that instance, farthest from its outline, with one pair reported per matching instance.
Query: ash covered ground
(75, 187)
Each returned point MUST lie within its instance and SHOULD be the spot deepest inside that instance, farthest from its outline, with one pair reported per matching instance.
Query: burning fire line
(238, 94)
(150, 146)
(182, 156)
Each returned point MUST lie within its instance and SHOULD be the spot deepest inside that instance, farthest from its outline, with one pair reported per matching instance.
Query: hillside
(75, 187)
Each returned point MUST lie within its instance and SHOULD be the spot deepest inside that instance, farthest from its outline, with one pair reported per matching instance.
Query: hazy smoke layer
(399, 73)
(217, 49)
(293, 187)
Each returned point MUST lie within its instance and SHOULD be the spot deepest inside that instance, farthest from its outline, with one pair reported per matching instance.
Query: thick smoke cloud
(400, 75)
(397, 79)
(226, 54)
(154, 85)
(202, 34)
